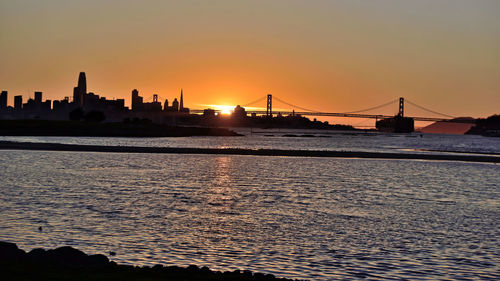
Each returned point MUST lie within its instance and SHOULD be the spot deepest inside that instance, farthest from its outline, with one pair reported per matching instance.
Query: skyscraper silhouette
(136, 101)
(80, 90)
(38, 98)
(181, 106)
(18, 102)
(82, 82)
(175, 105)
(3, 99)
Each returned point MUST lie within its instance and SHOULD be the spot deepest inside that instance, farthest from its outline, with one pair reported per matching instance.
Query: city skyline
(325, 55)
(84, 101)
(158, 109)
(90, 107)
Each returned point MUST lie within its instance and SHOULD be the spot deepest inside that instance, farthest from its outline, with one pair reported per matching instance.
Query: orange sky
(333, 56)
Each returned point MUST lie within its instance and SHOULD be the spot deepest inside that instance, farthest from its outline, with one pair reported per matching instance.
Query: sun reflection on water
(221, 194)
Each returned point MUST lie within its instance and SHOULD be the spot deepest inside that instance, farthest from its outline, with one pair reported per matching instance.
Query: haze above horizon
(327, 55)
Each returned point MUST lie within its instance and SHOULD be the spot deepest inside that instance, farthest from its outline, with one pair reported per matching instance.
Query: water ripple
(294, 217)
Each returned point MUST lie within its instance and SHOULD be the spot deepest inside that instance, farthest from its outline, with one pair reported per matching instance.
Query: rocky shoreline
(10, 145)
(70, 264)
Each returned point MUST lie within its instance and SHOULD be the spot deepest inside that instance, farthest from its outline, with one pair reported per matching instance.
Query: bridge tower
(401, 107)
(269, 110)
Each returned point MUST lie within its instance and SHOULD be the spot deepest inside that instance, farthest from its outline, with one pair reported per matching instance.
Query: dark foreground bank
(94, 129)
(239, 151)
(68, 264)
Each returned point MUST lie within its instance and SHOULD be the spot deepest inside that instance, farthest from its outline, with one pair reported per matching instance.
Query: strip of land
(10, 145)
(141, 128)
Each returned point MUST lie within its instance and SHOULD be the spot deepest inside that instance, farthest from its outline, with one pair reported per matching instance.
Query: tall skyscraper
(18, 102)
(38, 97)
(80, 90)
(181, 106)
(175, 105)
(137, 101)
(165, 105)
(82, 82)
(3, 99)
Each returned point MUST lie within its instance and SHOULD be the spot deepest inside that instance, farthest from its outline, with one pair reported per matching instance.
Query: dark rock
(97, 260)
(158, 267)
(37, 255)
(205, 269)
(9, 252)
(259, 276)
(270, 276)
(69, 264)
(67, 256)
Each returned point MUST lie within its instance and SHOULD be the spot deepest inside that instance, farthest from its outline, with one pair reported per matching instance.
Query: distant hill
(448, 127)
(487, 127)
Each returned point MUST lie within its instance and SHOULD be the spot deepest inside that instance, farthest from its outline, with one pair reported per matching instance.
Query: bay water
(297, 217)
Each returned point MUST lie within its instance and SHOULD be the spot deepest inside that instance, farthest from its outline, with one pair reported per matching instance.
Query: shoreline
(70, 264)
(92, 129)
(10, 145)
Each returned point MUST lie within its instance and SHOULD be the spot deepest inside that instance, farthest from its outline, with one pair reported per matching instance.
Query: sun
(225, 111)
(222, 109)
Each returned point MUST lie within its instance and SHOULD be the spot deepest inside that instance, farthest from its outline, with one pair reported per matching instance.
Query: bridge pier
(269, 109)
(401, 107)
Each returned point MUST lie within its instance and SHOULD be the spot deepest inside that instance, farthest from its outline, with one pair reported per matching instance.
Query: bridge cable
(361, 122)
(371, 108)
(351, 112)
(294, 106)
(432, 111)
(255, 101)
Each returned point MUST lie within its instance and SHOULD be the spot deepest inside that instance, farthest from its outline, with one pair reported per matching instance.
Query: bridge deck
(353, 115)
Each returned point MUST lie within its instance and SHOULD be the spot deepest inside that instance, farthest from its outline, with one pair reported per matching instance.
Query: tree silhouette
(76, 114)
(94, 116)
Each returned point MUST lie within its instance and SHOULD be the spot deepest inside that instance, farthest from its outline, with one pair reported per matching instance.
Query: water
(311, 218)
(324, 140)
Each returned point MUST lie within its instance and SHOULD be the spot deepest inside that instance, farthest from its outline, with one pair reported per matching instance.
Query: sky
(330, 56)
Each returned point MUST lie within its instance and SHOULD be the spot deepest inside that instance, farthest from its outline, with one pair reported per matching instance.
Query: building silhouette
(137, 101)
(181, 105)
(3, 100)
(175, 105)
(138, 104)
(18, 102)
(87, 102)
(239, 112)
(80, 90)
(38, 98)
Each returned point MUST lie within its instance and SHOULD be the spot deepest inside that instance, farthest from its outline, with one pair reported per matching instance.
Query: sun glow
(223, 109)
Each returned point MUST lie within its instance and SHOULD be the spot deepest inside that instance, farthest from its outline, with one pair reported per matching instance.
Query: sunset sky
(333, 56)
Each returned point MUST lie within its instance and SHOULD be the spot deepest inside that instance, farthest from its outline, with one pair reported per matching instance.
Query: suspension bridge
(297, 110)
